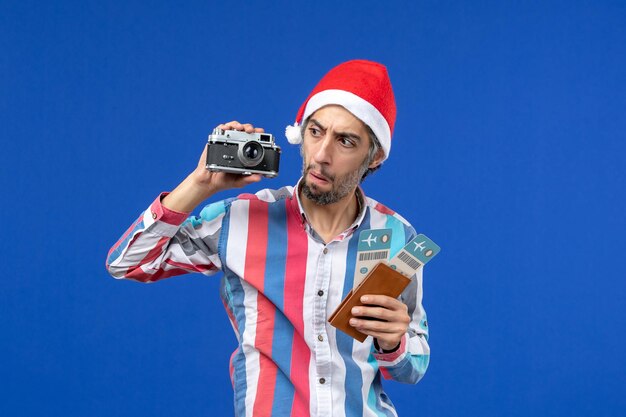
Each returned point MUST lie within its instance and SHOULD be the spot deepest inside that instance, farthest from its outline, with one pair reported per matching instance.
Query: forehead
(338, 118)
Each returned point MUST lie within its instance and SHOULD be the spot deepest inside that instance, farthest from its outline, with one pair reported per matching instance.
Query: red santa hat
(361, 87)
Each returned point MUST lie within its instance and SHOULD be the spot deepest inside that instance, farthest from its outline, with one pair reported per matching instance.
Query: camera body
(242, 153)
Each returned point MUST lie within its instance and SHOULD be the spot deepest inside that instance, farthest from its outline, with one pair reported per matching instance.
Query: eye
(315, 132)
(347, 142)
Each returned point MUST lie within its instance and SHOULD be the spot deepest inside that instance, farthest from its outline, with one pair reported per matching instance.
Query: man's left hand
(392, 319)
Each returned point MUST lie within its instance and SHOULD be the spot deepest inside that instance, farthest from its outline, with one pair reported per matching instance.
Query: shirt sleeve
(409, 362)
(164, 243)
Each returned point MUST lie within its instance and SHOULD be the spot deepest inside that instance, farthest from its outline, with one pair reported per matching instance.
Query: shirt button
(154, 215)
(320, 338)
(322, 381)
(325, 251)
(320, 293)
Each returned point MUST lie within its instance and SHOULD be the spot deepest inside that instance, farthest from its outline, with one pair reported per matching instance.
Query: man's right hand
(202, 183)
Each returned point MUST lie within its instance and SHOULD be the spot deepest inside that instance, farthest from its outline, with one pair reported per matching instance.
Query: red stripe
(231, 317)
(267, 373)
(384, 209)
(191, 267)
(135, 271)
(254, 274)
(247, 196)
(231, 368)
(295, 274)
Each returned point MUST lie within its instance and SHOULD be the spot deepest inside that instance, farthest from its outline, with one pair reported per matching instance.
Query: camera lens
(251, 153)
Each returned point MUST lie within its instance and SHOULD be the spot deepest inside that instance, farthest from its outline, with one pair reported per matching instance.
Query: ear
(378, 158)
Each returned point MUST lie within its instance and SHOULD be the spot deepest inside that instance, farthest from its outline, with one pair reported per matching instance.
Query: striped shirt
(280, 284)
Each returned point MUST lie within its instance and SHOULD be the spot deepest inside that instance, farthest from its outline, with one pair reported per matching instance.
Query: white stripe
(253, 366)
(357, 106)
(207, 228)
(387, 407)
(236, 260)
(418, 313)
(378, 220)
(360, 353)
(310, 292)
(334, 298)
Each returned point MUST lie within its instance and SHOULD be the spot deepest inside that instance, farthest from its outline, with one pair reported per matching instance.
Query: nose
(323, 152)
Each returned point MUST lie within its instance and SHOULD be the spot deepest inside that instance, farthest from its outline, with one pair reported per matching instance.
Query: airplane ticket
(374, 246)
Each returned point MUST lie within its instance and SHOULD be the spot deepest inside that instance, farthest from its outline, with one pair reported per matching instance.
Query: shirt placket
(323, 366)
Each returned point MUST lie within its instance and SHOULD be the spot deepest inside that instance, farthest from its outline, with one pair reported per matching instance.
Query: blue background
(508, 152)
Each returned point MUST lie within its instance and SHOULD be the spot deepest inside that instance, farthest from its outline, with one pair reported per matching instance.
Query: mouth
(318, 176)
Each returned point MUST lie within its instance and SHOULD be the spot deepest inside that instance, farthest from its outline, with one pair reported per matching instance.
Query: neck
(331, 219)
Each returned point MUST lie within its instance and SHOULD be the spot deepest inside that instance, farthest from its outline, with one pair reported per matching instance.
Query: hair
(375, 146)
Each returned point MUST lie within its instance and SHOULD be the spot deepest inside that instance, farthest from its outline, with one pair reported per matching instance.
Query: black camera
(242, 153)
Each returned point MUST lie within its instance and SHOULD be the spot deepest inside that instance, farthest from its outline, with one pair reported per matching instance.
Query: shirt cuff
(161, 213)
(388, 359)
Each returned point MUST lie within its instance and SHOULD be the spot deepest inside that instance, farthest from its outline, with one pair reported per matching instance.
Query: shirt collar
(297, 205)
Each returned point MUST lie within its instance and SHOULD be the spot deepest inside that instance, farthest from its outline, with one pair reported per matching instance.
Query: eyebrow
(345, 134)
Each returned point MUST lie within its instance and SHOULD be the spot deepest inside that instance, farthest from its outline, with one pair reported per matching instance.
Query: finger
(371, 326)
(383, 301)
(202, 161)
(234, 125)
(375, 312)
(248, 128)
(250, 179)
(240, 181)
(259, 130)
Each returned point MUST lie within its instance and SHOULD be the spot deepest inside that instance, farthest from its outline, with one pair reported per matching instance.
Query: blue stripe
(212, 211)
(409, 232)
(118, 251)
(274, 290)
(232, 294)
(372, 397)
(354, 379)
(398, 236)
(274, 283)
(208, 213)
(376, 395)
(421, 363)
(411, 369)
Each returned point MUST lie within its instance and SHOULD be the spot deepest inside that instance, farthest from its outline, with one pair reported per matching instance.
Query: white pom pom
(294, 136)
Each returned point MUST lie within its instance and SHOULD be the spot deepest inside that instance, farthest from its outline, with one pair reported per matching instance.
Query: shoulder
(383, 216)
(259, 201)
(217, 210)
(266, 195)
(379, 209)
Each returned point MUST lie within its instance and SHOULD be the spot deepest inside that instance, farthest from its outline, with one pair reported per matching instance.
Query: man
(288, 258)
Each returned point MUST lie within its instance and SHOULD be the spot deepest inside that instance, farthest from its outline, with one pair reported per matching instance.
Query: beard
(340, 186)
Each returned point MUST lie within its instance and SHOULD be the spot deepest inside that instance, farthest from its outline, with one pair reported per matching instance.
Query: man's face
(334, 154)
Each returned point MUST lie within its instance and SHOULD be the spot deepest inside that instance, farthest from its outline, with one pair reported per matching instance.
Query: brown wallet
(382, 280)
